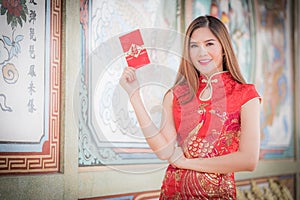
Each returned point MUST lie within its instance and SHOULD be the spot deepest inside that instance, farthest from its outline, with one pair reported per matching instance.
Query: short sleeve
(249, 93)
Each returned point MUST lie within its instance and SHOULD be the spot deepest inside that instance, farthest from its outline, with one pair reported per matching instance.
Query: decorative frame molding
(48, 159)
(108, 135)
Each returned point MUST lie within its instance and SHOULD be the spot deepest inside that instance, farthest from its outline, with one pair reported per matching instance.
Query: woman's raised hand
(129, 81)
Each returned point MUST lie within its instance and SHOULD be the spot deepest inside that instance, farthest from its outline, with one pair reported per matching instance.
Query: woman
(210, 124)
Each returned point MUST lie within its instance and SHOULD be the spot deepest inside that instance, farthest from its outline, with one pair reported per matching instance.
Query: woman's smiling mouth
(204, 61)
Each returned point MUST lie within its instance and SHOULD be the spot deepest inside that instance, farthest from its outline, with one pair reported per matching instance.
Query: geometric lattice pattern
(48, 159)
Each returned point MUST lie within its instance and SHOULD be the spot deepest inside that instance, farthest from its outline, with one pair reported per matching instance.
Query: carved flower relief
(15, 10)
(13, 45)
(4, 54)
(9, 48)
(14, 7)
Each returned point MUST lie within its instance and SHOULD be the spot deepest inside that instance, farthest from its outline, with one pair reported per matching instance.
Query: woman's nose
(202, 50)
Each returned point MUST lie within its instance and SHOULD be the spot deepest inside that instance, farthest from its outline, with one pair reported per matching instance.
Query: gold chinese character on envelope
(133, 47)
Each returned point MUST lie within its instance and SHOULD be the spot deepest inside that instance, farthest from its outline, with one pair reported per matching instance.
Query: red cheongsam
(207, 128)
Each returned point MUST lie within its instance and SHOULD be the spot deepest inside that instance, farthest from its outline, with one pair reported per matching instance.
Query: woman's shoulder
(238, 86)
(247, 91)
(180, 89)
(168, 97)
(248, 87)
(169, 94)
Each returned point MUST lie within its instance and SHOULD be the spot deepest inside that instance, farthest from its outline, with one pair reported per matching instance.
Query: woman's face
(205, 51)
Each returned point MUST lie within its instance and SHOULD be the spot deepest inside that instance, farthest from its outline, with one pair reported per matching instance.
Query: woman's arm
(245, 159)
(161, 141)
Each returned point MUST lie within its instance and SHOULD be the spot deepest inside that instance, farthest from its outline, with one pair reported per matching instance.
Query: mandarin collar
(210, 81)
(216, 75)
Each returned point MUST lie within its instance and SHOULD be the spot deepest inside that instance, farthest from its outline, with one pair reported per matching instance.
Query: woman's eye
(193, 45)
(209, 44)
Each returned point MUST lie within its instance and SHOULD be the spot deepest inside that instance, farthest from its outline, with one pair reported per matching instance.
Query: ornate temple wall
(67, 130)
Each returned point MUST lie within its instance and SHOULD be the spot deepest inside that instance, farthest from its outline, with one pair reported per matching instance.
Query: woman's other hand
(178, 159)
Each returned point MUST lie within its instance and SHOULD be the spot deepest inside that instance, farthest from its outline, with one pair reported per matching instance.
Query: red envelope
(133, 47)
